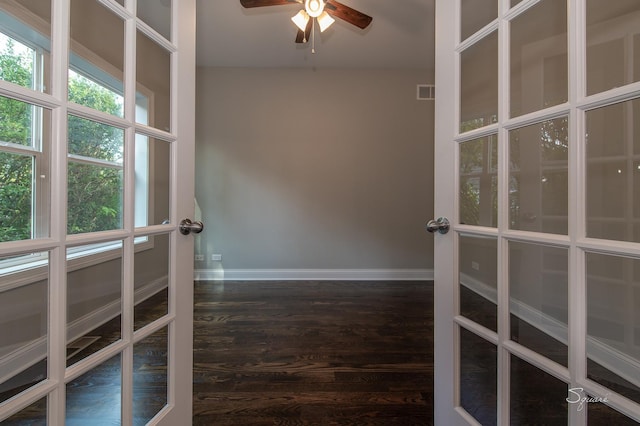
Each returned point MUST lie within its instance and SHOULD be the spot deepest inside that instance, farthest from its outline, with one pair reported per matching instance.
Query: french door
(96, 172)
(537, 283)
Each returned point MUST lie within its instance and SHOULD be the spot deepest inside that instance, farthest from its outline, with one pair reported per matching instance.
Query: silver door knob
(187, 226)
(440, 225)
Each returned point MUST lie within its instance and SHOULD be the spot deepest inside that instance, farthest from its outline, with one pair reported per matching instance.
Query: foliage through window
(95, 153)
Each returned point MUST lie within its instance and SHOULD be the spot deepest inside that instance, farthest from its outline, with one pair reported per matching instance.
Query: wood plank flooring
(316, 353)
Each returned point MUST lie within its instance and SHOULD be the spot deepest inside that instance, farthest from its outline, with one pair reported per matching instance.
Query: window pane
(35, 414)
(479, 84)
(94, 294)
(537, 398)
(479, 280)
(478, 372)
(539, 58)
(613, 323)
(600, 414)
(94, 198)
(476, 14)
(25, 43)
(478, 182)
(96, 394)
(538, 294)
(153, 73)
(24, 323)
(20, 123)
(538, 180)
(612, 44)
(156, 14)
(150, 378)
(613, 172)
(95, 140)
(16, 197)
(151, 276)
(153, 166)
(96, 61)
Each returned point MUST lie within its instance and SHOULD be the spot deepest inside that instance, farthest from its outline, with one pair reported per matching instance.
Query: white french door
(97, 99)
(537, 283)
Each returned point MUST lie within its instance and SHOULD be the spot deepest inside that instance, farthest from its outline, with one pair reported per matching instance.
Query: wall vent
(426, 92)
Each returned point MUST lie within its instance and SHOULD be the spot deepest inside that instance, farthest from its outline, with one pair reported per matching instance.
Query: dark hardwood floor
(313, 353)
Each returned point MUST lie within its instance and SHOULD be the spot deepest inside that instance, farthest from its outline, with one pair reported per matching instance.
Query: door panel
(537, 146)
(96, 151)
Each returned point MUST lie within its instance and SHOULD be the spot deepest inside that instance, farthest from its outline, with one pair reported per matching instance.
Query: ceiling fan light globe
(301, 19)
(325, 21)
(314, 7)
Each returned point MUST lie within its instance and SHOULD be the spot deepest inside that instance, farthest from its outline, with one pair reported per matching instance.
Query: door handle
(187, 226)
(440, 225)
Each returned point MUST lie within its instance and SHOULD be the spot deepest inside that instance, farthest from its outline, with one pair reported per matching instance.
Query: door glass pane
(479, 84)
(24, 322)
(515, 2)
(476, 14)
(478, 372)
(478, 271)
(613, 323)
(150, 380)
(156, 14)
(612, 44)
(96, 394)
(538, 298)
(95, 176)
(539, 58)
(153, 74)
(613, 172)
(479, 182)
(536, 397)
(25, 43)
(151, 265)
(600, 414)
(96, 62)
(538, 178)
(153, 167)
(35, 414)
(94, 294)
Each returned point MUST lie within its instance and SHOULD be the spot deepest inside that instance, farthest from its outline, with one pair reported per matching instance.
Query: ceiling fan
(321, 10)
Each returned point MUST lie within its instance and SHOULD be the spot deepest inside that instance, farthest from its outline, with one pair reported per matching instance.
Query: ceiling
(401, 36)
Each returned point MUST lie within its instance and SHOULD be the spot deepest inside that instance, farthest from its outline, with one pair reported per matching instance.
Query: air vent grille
(426, 92)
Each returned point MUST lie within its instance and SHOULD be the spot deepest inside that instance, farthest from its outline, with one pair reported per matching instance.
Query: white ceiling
(400, 36)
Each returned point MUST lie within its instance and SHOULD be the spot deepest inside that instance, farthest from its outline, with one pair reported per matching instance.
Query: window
(95, 154)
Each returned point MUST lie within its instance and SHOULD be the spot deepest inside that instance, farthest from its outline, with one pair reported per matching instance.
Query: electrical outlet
(199, 257)
(216, 257)
(475, 265)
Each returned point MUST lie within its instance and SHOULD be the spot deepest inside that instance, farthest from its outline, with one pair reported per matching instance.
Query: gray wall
(314, 169)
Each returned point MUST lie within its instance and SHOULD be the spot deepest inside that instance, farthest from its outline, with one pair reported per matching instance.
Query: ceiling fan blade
(303, 36)
(348, 14)
(260, 3)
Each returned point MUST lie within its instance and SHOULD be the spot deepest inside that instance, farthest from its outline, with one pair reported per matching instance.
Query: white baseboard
(313, 274)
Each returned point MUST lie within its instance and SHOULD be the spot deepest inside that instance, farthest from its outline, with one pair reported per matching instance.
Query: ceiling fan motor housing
(314, 7)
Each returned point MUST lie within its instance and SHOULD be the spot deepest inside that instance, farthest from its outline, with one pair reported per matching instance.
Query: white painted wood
(313, 274)
(183, 206)
(446, 275)
(182, 139)
(447, 28)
